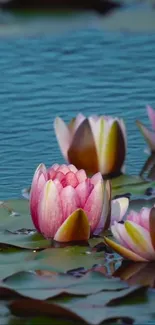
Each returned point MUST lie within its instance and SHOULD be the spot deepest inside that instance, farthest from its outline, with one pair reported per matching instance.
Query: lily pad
(35, 241)
(15, 215)
(131, 184)
(28, 284)
(93, 309)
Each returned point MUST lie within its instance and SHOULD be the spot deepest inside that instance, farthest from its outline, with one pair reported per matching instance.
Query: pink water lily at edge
(135, 239)
(149, 135)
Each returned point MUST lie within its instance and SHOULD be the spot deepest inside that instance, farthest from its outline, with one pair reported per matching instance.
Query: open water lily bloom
(96, 143)
(136, 237)
(66, 205)
(149, 135)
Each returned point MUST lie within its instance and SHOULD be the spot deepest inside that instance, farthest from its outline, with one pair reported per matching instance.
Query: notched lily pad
(31, 285)
(92, 309)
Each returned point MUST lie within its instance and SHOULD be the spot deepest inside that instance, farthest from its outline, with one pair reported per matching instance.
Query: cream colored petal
(126, 253)
(148, 135)
(63, 135)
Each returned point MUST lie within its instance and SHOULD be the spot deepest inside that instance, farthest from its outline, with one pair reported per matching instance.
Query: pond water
(86, 70)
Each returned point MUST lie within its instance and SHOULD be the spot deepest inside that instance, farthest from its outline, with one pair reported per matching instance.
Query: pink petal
(141, 218)
(51, 173)
(79, 119)
(63, 169)
(119, 208)
(119, 232)
(134, 241)
(133, 216)
(39, 179)
(105, 218)
(63, 135)
(148, 135)
(144, 218)
(81, 175)
(151, 115)
(83, 190)
(70, 179)
(94, 205)
(117, 235)
(95, 178)
(55, 166)
(58, 185)
(72, 168)
(50, 210)
(70, 201)
(60, 176)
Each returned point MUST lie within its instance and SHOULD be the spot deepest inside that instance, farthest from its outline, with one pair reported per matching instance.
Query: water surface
(86, 70)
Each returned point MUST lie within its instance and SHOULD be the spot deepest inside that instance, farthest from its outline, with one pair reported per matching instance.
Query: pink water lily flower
(149, 135)
(96, 143)
(136, 237)
(66, 205)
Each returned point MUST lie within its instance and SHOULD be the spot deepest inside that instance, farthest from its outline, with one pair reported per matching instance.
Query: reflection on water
(84, 70)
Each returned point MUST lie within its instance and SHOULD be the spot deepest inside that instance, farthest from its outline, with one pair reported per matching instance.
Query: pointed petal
(70, 179)
(119, 208)
(126, 253)
(140, 240)
(83, 190)
(63, 169)
(94, 205)
(72, 168)
(104, 222)
(81, 175)
(115, 150)
(148, 135)
(95, 178)
(144, 218)
(70, 201)
(78, 120)
(50, 210)
(60, 176)
(63, 136)
(51, 173)
(75, 123)
(75, 228)
(55, 166)
(133, 216)
(152, 226)
(58, 185)
(82, 152)
(151, 115)
(39, 179)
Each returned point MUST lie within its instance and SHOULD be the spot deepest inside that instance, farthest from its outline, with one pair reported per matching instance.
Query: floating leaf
(131, 184)
(35, 241)
(92, 309)
(15, 215)
(28, 284)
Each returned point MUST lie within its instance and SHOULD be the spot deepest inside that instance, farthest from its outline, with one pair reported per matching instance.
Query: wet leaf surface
(66, 283)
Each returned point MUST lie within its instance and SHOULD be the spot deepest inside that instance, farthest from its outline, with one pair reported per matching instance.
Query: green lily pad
(65, 259)
(15, 215)
(31, 241)
(93, 309)
(40, 287)
(130, 184)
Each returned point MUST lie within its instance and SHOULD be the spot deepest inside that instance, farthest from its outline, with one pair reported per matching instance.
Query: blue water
(88, 71)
